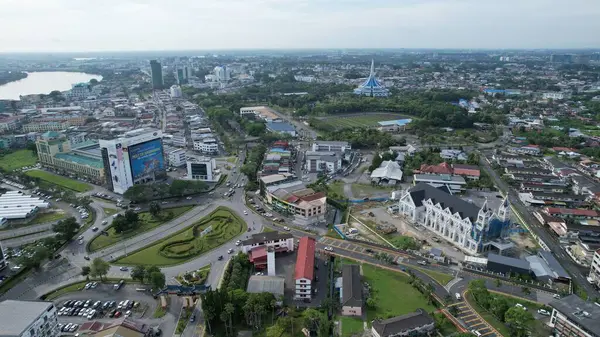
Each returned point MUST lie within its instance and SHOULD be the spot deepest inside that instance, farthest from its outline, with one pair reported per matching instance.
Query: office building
(207, 145)
(222, 74)
(181, 76)
(469, 227)
(135, 158)
(79, 91)
(418, 323)
(157, 75)
(304, 272)
(454, 184)
(294, 198)
(202, 168)
(28, 319)
(331, 146)
(329, 162)
(176, 157)
(176, 91)
(594, 276)
(371, 87)
(572, 316)
(80, 160)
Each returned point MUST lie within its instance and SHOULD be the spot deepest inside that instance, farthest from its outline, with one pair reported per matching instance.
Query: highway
(577, 272)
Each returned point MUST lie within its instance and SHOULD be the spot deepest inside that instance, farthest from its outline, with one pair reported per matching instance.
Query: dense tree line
(518, 319)
(177, 188)
(11, 76)
(252, 163)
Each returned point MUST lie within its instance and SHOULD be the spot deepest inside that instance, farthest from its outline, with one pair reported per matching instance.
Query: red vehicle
(118, 314)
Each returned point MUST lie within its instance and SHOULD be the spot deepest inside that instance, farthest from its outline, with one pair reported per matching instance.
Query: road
(578, 273)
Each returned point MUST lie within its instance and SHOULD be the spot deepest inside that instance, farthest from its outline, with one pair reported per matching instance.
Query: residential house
(351, 292)
(418, 323)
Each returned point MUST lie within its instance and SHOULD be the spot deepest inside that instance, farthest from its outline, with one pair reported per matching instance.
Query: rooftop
(79, 159)
(396, 325)
(16, 316)
(388, 170)
(424, 191)
(509, 261)
(266, 236)
(268, 284)
(585, 314)
(305, 263)
(280, 126)
(351, 286)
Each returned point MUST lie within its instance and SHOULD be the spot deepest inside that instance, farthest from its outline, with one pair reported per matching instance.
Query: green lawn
(351, 326)
(337, 187)
(364, 190)
(394, 295)
(47, 217)
(71, 184)
(445, 326)
(148, 222)
(360, 120)
(65, 290)
(187, 244)
(109, 211)
(17, 160)
(442, 278)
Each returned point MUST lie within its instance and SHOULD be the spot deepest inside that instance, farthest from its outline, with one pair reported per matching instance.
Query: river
(43, 83)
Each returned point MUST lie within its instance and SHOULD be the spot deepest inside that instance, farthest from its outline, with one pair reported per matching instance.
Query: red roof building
(572, 213)
(443, 168)
(471, 171)
(305, 268)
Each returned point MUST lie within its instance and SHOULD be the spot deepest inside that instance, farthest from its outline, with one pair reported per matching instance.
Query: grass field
(47, 217)
(393, 294)
(364, 190)
(148, 222)
(337, 187)
(54, 179)
(187, 244)
(442, 278)
(354, 121)
(17, 159)
(109, 211)
(351, 326)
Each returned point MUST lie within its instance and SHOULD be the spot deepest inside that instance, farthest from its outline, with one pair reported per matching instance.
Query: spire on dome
(372, 73)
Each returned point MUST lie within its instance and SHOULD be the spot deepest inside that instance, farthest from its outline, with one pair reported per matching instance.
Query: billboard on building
(146, 159)
(118, 168)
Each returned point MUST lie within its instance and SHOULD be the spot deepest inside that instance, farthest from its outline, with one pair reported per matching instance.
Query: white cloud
(81, 25)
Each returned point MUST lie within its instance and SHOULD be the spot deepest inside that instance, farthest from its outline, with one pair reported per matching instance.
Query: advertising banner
(146, 158)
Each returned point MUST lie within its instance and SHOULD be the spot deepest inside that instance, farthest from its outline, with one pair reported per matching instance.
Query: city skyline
(135, 25)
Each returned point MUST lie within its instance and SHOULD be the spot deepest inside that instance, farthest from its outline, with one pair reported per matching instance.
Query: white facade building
(465, 225)
(274, 240)
(28, 319)
(176, 91)
(135, 158)
(222, 74)
(202, 168)
(331, 146)
(371, 87)
(594, 276)
(79, 91)
(206, 145)
(177, 157)
(323, 161)
(572, 316)
(553, 95)
(179, 140)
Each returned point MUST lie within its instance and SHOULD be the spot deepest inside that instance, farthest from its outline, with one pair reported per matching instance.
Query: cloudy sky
(114, 25)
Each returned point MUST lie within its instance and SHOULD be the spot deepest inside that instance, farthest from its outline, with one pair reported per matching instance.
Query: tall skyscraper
(157, 76)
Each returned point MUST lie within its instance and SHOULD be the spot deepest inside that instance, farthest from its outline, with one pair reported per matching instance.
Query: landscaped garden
(192, 278)
(351, 326)
(16, 160)
(146, 222)
(61, 181)
(109, 211)
(213, 230)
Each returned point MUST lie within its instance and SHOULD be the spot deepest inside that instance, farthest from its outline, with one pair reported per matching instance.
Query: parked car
(329, 249)
(543, 312)
(476, 333)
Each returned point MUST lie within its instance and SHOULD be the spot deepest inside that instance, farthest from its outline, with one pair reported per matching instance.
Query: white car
(128, 313)
(556, 296)
(245, 212)
(188, 198)
(543, 312)
(80, 242)
(519, 305)
(329, 249)
(286, 228)
(230, 251)
(238, 242)
(476, 333)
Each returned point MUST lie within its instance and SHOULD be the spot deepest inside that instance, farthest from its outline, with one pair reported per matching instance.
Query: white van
(458, 298)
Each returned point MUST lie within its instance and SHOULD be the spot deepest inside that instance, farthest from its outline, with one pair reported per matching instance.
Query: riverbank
(11, 76)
